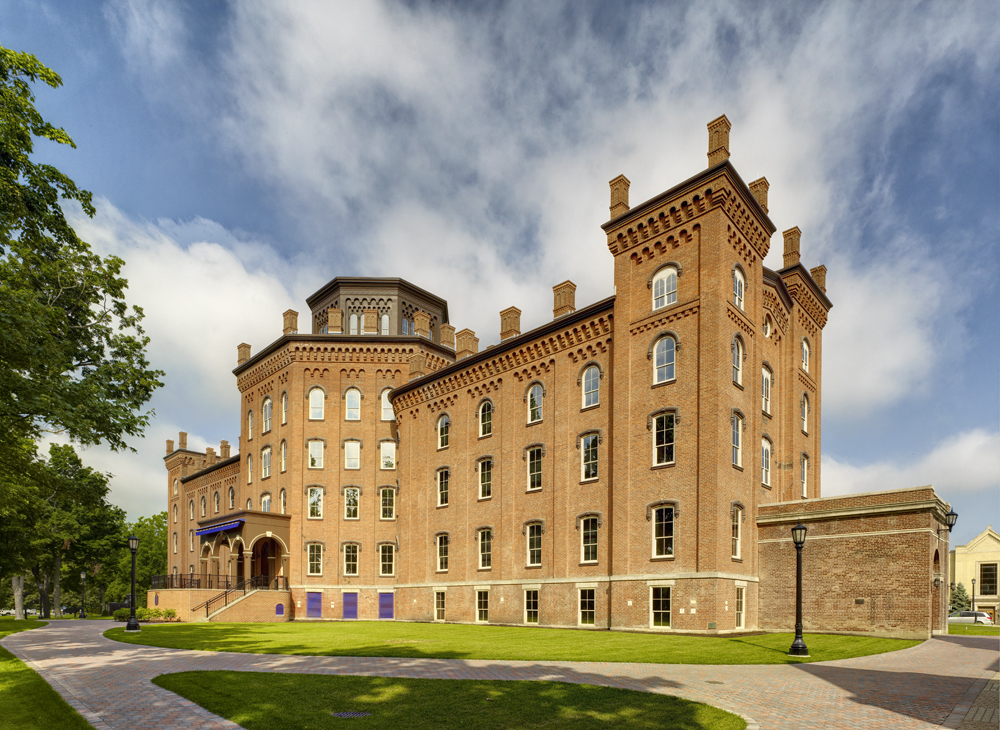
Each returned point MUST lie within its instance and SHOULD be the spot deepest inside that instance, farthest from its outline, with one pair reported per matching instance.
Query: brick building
(631, 464)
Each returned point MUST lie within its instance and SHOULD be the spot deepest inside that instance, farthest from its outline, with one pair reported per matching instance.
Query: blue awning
(219, 528)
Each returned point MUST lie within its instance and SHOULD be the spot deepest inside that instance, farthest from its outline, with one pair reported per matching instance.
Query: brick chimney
(564, 299)
(468, 344)
(182, 440)
(819, 276)
(619, 195)
(448, 336)
(423, 323)
(758, 189)
(170, 446)
(210, 455)
(792, 236)
(291, 323)
(334, 321)
(718, 140)
(242, 354)
(416, 365)
(224, 450)
(510, 323)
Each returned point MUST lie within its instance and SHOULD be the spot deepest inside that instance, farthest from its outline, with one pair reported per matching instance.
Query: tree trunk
(17, 583)
(100, 595)
(56, 585)
(42, 582)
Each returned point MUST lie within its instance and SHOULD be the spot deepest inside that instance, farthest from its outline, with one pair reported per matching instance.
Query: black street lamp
(973, 597)
(950, 519)
(132, 625)
(799, 538)
(83, 593)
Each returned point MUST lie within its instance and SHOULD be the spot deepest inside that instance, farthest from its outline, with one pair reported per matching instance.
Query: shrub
(170, 614)
(142, 613)
(155, 613)
(121, 614)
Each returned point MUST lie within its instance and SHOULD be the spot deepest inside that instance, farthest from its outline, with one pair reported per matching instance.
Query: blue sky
(243, 154)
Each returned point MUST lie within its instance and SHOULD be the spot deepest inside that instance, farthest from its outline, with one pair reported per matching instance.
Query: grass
(457, 641)
(973, 630)
(27, 702)
(263, 701)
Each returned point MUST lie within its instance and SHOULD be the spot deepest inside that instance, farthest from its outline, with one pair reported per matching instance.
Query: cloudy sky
(243, 154)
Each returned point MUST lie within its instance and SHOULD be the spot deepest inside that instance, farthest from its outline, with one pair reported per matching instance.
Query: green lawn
(262, 701)
(973, 630)
(457, 641)
(27, 702)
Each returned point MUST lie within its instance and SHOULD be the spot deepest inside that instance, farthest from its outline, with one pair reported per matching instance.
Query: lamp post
(799, 538)
(950, 519)
(83, 593)
(132, 625)
(973, 595)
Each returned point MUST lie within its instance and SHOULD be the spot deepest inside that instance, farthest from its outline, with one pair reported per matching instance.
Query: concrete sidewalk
(932, 684)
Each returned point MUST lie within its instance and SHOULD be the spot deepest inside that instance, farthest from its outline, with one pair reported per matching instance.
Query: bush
(170, 614)
(121, 614)
(142, 613)
(155, 613)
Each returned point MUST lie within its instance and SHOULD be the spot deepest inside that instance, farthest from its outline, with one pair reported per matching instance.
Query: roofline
(772, 277)
(285, 339)
(208, 469)
(693, 182)
(403, 283)
(809, 280)
(505, 345)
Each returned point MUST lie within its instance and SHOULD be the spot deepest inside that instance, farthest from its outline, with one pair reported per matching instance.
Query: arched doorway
(266, 559)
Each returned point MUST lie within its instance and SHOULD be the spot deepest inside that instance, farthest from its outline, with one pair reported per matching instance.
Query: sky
(243, 154)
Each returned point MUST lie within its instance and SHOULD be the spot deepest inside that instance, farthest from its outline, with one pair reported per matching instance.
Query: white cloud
(967, 462)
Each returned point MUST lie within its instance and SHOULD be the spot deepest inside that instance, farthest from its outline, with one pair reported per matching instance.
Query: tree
(960, 600)
(72, 352)
(150, 560)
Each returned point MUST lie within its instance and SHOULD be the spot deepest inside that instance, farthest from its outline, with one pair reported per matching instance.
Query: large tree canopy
(72, 351)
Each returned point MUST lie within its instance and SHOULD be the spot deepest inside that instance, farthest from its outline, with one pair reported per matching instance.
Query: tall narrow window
(737, 518)
(443, 476)
(534, 544)
(265, 503)
(738, 284)
(805, 354)
(387, 455)
(804, 407)
(485, 548)
(535, 396)
(265, 416)
(249, 468)
(804, 468)
(665, 287)
(387, 414)
(352, 454)
(203, 507)
(765, 462)
(284, 408)
(587, 606)
(664, 358)
(591, 386)
(354, 324)
(740, 592)
(388, 503)
(588, 454)
(353, 401)
(443, 431)
(486, 419)
(175, 543)
(442, 552)
(439, 605)
(588, 552)
(987, 579)
(175, 487)
(765, 390)
(316, 398)
(350, 559)
(663, 439)
(387, 561)
(265, 462)
(316, 454)
(535, 468)
(385, 324)
(315, 502)
(249, 502)
(737, 440)
(284, 501)
(482, 606)
(351, 503)
(738, 361)
(663, 532)
(191, 510)
(315, 559)
(660, 606)
(216, 502)
(175, 513)
(284, 455)
(531, 607)
(232, 498)
(485, 478)
(191, 541)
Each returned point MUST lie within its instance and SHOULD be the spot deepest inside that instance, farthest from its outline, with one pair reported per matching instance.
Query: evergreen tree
(960, 600)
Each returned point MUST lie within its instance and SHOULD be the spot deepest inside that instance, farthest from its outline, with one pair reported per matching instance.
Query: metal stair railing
(255, 583)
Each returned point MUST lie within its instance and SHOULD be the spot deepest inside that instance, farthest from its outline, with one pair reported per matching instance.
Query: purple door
(350, 605)
(385, 605)
(314, 605)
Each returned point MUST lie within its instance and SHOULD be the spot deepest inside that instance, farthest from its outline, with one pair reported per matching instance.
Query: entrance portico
(245, 545)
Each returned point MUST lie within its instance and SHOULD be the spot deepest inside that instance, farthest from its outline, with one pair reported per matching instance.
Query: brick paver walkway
(922, 687)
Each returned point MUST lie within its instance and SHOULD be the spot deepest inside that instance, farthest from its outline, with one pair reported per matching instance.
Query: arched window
(204, 506)
(805, 413)
(535, 396)
(665, 287)
(175, 513)
(175, 542)
(443, 431)
(486, 418)
(284, 455)
(738, 361)
(265, 503)
(737, 518)
(354, 324)
(804, 468)
(249, 503)
(265, 416)
(216, 502)
(805, 354)
(284, 501)
(191, 510)
(765, 390)
(765, 462)
(768, 327)
(737, 440)
(232, 498)
(316, 398)
(739, 283)
(265, 462)
(284, 408)
(387, 414)
(385, 324)
(249, 425)
(175, 487)
(591, 386)
(249, 468)
(664, 358)
(353, 398)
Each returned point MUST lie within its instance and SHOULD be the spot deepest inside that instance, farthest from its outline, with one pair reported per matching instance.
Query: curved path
(924, 687)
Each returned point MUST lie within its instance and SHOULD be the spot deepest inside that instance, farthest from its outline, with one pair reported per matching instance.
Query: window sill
(483, 570)
(485, 499)
(590, 408)
(315, 518)
(738, 467)
(351, 519)
(386, 519)
(317, 420)
(441, 571)
(805, 433)
(442, 448)
(660, 558)
(264, 479)
(663, 466)
(486, 436)
(665, 382)
(529, 424)
(441, 506)
(532, 491)
(387, 575)
(392, 469)
(590, 481)
(589, 562)
(738, 385)
(765, 486)
(314, 575)
(737, 560)
(766, 414)
(532, 567)
(352, 468)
